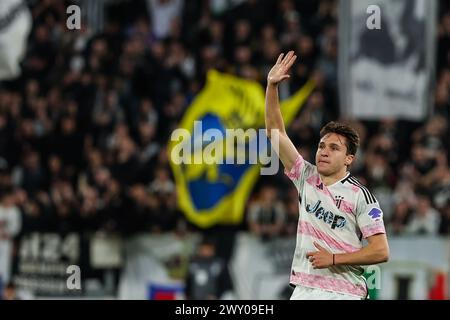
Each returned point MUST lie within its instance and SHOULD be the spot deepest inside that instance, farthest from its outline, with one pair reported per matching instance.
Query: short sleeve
(300, 171)
(369, 215)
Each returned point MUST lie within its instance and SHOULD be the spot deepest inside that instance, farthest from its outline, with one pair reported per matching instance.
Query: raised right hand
(280, 70)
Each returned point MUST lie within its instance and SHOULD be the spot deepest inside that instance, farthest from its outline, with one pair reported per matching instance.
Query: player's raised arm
(274, 119)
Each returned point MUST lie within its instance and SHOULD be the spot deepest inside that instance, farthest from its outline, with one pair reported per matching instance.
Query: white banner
(415, 266)
(386, 58)
(260, 269)
(154, 260)
(43, 262)
(15, 25)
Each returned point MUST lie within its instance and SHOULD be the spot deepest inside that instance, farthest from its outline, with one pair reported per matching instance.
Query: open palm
(280, 70)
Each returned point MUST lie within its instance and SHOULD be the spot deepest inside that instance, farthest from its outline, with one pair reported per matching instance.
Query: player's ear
(349, 159)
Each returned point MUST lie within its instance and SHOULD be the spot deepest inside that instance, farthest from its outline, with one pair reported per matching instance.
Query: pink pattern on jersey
(328, 283)
(296, 169)
(314, 180)
(307, 228)
(355, 189)
(346, 207)
(370, 230)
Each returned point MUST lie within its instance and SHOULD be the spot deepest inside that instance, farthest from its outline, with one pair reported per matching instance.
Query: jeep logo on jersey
(336, 221)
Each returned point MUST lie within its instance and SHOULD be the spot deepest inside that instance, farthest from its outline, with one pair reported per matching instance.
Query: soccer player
(336, 210)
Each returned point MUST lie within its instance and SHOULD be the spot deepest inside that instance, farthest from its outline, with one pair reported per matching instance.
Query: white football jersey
(337, 217)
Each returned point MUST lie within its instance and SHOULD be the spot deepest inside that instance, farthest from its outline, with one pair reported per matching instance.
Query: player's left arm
(376, 251)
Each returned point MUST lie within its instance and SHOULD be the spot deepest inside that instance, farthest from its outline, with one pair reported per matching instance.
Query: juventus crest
(338, 201)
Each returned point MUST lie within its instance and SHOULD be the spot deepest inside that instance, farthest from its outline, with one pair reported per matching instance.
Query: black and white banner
(386, 58)
(43, 263)
(15, 25)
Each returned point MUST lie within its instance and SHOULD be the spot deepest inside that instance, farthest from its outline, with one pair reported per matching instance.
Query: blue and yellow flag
(212, 183)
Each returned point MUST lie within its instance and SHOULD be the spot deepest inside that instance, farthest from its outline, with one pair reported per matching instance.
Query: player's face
(331, 155)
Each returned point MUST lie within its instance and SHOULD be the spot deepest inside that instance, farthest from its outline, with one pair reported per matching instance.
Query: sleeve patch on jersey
(375, 213)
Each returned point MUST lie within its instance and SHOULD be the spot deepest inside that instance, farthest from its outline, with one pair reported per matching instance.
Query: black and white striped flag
(15, 25)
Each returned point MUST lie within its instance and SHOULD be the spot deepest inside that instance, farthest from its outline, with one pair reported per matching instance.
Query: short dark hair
(350, 134)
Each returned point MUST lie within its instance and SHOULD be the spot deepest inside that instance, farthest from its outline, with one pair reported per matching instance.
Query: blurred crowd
(83, 131)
